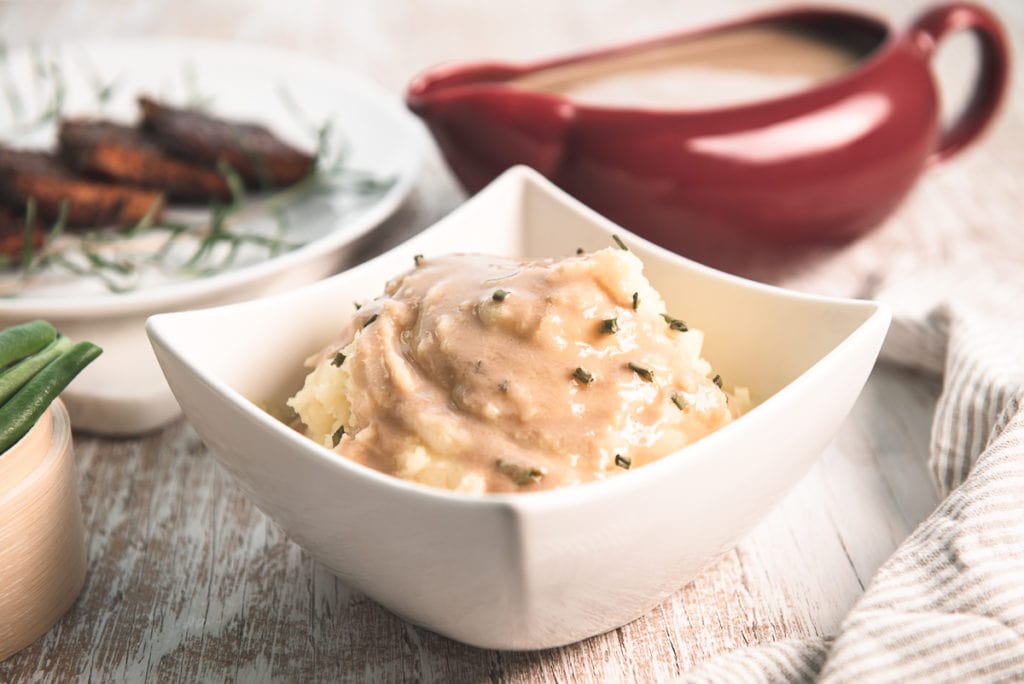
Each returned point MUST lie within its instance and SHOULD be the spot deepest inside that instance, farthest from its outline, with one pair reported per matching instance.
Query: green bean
(11, 379)
(24, 340)
(22, 411)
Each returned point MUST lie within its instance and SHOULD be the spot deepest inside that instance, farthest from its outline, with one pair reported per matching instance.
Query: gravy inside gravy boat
(797, 127)
(730, 68)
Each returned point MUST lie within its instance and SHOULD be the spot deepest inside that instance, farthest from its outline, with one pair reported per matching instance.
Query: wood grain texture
(188, 581)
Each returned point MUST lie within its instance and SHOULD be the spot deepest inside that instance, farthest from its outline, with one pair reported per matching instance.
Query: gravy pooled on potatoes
(487, 374)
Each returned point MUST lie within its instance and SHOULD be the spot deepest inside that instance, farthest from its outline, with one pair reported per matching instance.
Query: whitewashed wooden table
(188, 581)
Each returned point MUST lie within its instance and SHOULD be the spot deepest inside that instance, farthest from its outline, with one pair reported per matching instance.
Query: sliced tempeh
(125, 154)
(259, 157)
(90, 204)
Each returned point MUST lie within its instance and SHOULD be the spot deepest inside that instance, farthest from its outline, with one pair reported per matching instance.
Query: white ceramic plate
(123, 392)
(526, 571)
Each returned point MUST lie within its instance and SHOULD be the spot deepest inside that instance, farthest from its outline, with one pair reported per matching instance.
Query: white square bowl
(525, 571)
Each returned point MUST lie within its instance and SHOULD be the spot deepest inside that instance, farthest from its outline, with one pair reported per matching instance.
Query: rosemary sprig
(28, 247)
(14, 102)
(236, 186)
(102, 91)
(193, 94)
(55, 107)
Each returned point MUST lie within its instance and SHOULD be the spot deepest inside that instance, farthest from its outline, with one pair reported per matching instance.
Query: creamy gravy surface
(464, 375)
(734, 67)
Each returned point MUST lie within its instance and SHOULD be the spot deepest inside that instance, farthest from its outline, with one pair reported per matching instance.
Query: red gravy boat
(850, 120)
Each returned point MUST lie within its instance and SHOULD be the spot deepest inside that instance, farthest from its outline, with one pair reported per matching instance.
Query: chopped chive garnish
(610, 326)
(646, 373)
(619, 242)
(357, 305)
(675, 323)
(519, 474)
(339, 359)
(499, 295)
(370, 320)
(338, 434)
(418, 259)
(636, 300)
(623, 461)
(679, 402)
(579, 250)
(583, 376)
(717, 380)
(503, 387)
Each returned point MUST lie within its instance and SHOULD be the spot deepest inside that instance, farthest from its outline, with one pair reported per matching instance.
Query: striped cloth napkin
(949, 604)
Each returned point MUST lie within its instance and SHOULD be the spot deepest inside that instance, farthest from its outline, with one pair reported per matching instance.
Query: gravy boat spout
(469, 107)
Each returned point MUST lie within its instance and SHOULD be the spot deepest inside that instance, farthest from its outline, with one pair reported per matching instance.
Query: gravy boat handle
(928, 30)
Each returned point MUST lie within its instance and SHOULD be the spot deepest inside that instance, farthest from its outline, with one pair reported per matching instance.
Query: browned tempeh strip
(259, 157)
(41, 175)
(125, 154)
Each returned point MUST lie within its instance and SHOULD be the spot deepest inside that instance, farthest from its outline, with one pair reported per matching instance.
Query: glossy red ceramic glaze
(824, 164)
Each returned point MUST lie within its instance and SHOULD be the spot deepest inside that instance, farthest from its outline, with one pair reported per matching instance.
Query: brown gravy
(729, 68)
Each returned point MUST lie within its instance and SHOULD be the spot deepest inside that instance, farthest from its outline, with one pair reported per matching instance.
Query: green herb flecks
(339, 359)
(521, 475)
(499, 295)
(636, 301)
(418, 259)
(370, 320)
(579, 251)
(338, 434)
(619, 242)
(679, 402)
(717, 380)
(610, 326)
(646, 374)
(503, 386)
(623, 461)
(675, 323)
(583, 376)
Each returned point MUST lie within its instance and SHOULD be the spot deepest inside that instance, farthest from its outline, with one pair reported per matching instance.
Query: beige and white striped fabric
(949, 604)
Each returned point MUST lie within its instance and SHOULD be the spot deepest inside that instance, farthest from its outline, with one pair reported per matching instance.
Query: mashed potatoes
(485, 374)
